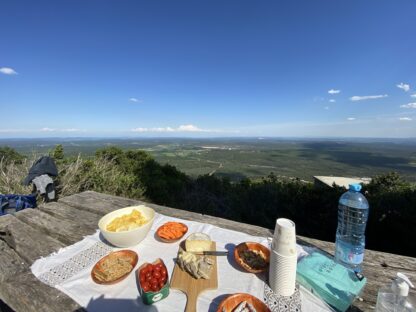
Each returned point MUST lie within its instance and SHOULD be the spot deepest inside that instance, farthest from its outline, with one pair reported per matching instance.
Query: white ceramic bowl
(127, 238)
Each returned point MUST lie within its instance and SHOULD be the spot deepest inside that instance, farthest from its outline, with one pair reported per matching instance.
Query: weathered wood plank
(25, 293)
(29, 243)
(65, 212)
(10, 262)
(103, 203)
(66, 231)
(93, 202)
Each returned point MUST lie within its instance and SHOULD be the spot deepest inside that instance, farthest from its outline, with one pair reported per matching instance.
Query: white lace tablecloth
(69, 270)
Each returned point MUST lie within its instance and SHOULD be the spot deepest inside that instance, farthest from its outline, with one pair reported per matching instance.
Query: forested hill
(136, 174)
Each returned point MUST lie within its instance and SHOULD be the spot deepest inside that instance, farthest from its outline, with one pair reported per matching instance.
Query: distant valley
(237, 158)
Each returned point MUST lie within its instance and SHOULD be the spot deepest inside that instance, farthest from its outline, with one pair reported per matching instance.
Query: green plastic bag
(332, 282)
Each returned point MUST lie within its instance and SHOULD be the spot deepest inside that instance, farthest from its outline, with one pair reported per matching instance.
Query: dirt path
(215, 170)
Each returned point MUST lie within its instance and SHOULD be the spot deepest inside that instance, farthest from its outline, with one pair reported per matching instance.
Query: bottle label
(345, 253)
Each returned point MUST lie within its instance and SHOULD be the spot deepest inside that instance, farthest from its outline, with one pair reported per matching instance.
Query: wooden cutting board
(192, 287)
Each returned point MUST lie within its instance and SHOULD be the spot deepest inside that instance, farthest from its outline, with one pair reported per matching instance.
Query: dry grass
(75, 175)
(12, 175)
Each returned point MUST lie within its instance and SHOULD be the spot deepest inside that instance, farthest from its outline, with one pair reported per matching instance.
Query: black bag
(44, 165)
(11, 203)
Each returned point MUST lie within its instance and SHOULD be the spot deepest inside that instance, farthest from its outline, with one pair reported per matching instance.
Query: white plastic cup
(284, 238)
(282, 273)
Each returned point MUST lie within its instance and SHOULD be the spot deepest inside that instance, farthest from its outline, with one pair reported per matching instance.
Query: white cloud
(350, 118)
(159, 129)
(326, 107)
(405, 119)
(332, 101)
(413, 95)
(139, 130)
(410, 105)
(403, 86)
(190, 128)
(71, 130)
(7, 71)
(333, 91)
(181, 128)
(367, 97)
(46, 129)
(135, 100)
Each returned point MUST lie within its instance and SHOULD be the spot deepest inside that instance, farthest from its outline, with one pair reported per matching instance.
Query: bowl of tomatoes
(153, 281)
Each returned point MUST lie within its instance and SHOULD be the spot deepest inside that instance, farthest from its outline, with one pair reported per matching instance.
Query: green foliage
(131, 161)
(392, 214)
(111, 153)
(387, 183)
(58, 152)
(9, 155)
(164, 184)
(96, 174)
(136, 174)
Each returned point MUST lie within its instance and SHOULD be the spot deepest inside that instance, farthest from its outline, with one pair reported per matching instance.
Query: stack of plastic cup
(283, 258)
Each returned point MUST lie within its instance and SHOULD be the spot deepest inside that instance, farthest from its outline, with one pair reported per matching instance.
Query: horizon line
(205, 137)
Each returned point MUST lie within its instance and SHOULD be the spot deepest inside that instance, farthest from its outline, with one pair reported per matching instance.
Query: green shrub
(58, 152)
(9, 155)
(100, 175)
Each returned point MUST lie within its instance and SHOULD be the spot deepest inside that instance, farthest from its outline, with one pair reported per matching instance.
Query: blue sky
(208, 68)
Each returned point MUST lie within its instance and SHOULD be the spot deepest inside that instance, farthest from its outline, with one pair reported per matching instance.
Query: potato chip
(127, 222)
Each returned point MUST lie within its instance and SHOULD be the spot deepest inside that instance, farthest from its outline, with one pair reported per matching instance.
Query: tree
(9, 155)
(111, 153)
(58, 152)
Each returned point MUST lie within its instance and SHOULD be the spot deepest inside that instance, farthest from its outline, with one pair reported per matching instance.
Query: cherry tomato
(155, 287)
(150, 267)
(163, 279)
(149, 278)
(148, 274)
(146, 287)
(154, 281)
(163, 272)
(156, 274)
(161, 284)
(142, 279)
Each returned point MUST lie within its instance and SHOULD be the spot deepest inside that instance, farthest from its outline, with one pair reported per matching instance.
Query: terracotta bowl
(171, 240)
(232, 302)
(133, 258)
(251, 246)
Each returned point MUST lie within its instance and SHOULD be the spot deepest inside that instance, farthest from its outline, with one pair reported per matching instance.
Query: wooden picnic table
(34, 233)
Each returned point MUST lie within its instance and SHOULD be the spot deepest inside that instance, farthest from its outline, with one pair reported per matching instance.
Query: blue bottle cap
(356, 187)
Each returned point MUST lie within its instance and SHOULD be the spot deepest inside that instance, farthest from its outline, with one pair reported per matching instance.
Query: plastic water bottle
(352, 218)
